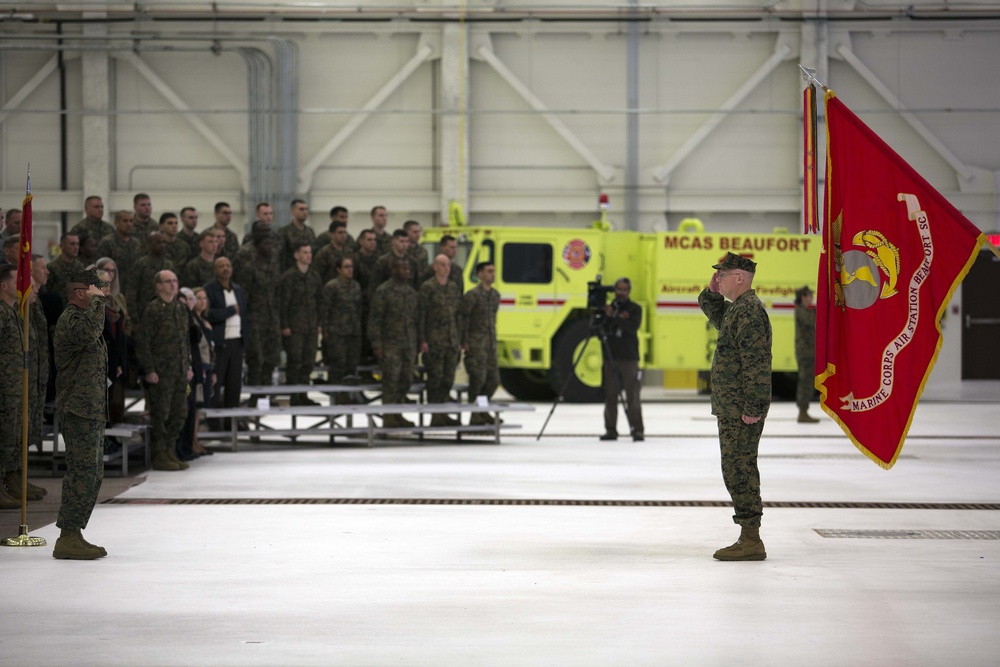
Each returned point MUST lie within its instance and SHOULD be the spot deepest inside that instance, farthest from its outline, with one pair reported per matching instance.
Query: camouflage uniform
(418, 257)
(383, 243)
(11, 388)
(95, 230)
(163, 346)
(141, 288)
(340, 318)
(59, 273)
(805, 354)
(383, 272)
(191, 241)
(259, 281)
(456, 277)
(140, 232)
(364, 274)
(231, 246)
(38, 371)
(197, 272)
(298, 310)
(177, 251)
(479, 333)
(741, 385)
(325, 261)
(125, 254)
(392, 326)
(438, 327)
(291, 237)
(364, 271)
(81, 357)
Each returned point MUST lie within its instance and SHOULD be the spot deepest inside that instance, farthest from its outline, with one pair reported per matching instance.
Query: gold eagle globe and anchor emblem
(864, 276)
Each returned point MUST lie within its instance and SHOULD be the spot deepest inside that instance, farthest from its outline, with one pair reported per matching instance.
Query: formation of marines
(375, 300)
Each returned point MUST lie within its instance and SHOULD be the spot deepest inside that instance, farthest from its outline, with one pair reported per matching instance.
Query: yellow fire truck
(542, 276)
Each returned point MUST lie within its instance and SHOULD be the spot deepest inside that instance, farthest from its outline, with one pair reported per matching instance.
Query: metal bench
(372, 413)
(134, 437)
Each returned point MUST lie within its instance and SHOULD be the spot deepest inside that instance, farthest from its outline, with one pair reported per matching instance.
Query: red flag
(894, 250)
(24, 257)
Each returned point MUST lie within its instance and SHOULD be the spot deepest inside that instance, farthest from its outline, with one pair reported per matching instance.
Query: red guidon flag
(894, 250)
(24, 257)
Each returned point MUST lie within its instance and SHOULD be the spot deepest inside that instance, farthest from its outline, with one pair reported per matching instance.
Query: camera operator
(624, 317)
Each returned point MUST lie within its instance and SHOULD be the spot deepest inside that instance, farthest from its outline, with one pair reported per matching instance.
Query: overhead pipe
(63, 134)
(259, 135)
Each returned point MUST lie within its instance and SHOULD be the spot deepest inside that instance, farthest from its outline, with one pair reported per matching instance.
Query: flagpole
(23, 539)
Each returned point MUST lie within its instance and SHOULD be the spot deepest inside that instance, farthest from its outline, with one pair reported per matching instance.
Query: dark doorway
(981, 319)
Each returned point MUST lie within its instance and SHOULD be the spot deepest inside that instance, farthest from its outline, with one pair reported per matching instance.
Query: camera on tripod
(597, 299)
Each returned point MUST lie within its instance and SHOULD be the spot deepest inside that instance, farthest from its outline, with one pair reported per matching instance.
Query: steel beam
(781, 53)
(606, 172)
(308, 171)
(197, 123)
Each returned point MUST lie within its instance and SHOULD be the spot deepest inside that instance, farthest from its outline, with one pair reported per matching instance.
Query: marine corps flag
(894, 250)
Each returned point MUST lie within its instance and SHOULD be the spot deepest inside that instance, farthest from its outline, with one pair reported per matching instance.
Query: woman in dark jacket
(117, 335)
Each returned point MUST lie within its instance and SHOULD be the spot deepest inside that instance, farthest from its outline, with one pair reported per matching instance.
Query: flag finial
(809, 75)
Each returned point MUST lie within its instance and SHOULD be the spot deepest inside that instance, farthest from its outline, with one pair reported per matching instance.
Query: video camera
(597, 299)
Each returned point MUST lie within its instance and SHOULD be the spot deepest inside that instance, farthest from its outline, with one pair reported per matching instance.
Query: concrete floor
(319, 581)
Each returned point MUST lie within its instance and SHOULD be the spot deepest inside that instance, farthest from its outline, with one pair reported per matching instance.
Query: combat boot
(748, 547)
(444, 420)
(804, 418)
(101, 550)
(162, 462)
(181, 465)
(8, 502)
(478, 419)
(71, 546)
(13, 482)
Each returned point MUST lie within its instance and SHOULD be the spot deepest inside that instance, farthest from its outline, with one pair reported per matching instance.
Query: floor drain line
(909, 534)
(548, 502)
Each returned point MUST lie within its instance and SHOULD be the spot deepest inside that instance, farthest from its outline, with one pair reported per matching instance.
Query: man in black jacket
(227, 311)
(621, 371)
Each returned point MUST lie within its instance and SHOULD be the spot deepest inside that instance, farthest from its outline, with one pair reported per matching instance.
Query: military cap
(736, 262)
(85, 278)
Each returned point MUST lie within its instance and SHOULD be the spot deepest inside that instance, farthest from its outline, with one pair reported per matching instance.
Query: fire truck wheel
(526, 384)
(585, 384)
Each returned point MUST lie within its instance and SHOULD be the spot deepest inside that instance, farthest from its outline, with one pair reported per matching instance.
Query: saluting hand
(713, 284)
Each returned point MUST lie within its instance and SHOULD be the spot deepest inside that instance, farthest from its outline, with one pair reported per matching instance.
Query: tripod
(598, 331)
